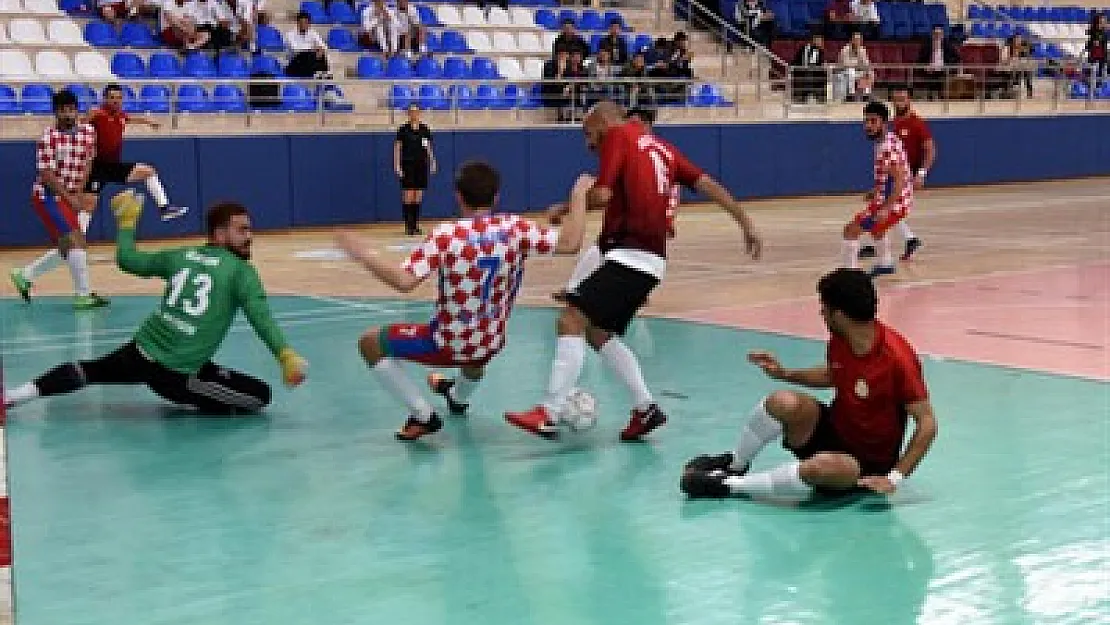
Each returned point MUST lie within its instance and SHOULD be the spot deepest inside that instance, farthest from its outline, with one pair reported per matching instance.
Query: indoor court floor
(127, 511)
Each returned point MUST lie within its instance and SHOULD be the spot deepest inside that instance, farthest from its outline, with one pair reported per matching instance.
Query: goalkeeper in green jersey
(206, 286)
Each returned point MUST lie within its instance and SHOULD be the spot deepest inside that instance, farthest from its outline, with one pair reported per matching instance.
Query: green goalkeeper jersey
(205, 288)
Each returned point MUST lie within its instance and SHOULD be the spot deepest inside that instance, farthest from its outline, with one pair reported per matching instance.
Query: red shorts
(869, 221)
(414, 342)
(57, 216)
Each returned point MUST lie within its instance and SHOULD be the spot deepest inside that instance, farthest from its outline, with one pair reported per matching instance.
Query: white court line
(368, 305)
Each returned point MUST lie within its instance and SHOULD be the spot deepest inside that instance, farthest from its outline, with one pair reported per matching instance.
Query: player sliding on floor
(478, 262)
(206, 285)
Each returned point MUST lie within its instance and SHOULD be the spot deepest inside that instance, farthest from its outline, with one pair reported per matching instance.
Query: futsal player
(478, 264)
(856, 441)
(63, 157)
(171, 353)
(884, 210)
(413, 161)
(921, 151)
(637, 176)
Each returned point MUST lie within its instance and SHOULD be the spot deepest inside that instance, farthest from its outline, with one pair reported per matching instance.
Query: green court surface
(126, 511)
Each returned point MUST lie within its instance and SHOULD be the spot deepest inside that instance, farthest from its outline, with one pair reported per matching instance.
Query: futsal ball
(581, 412)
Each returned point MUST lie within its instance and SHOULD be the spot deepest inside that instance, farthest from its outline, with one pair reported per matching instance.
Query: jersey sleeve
(142, 264)
(425, 259)
(44, 154)
(251, 297)
(685, 172)
(613, 155)
(536, 239)
(909, 380)
(400, 133)
(922, 129)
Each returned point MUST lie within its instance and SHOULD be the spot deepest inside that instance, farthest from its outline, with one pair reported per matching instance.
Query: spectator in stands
(178, 28)
(116, 11)
(407, 27)
(939, 57)
(866, 16)
(210, 17)
(615, 44)
(1096, 48)
(678, 66)
(309, 54)
(755, 21)
(570, 40)
(247, 15)
(504, 4)
(1016, 60)
(639, 93)
(603, 70)
(377, 28)
(855, 69)
(810, 77)
(838, 17)
(658, 58)
(561, 95)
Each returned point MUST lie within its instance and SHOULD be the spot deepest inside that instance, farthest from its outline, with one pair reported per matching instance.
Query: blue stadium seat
(482, 68)
(198, 65)
(976, 12)
(131, 104)
(1080, 90)
(433, 42)
(432, 98)
(155, 98)
(128, 65)
(370, 67)
(229, 99)
(193, 99)
(102, 35)
(164, 65)
(86, 97)
(9, 102)
(269, 39)
(427, 15)
(35, 99)
(455, 68)
(342, 39)
(76, 7)
(343, 13)
(398, 67)
(568, 14)
(297, 98)
(490, 98)
(138, 35)
(545, 18)
(316, 12)
(641, 42)
(591, 20)
(232, 66)
(610, 16)
(428, 67)
(400, 96)
(453, 41)
(266, 65)
(1103, 91)
(333, 99)
(463, 98)
(922, 22)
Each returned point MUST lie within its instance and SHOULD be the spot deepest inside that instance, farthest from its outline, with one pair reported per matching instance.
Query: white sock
(760, 429)
(850, 252)
(78, 260)
(569, 353)
(84, 218)
(883, 253)
(20, 394)
(588, 261)
(43, 264)
(157, 193)
(621, 359)
(463, 388)
(781, 480)
(401, 387)
(904, 230)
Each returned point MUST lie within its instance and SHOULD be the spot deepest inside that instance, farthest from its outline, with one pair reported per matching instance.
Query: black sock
(64, 378)
(411, 212)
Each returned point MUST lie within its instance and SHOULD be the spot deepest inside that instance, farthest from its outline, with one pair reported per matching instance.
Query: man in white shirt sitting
(378, 28)
(210, 17)
(178, 28)
(309, 54)
(407, 29)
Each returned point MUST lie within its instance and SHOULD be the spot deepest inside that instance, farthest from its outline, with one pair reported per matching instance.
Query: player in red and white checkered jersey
(884, 210)
(63, 159)
(479, 263)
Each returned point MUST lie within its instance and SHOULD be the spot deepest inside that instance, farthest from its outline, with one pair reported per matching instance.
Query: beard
(243, 251)
(874, 136)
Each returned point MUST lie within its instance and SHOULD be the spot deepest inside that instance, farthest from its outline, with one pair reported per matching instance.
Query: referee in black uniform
(413, 160)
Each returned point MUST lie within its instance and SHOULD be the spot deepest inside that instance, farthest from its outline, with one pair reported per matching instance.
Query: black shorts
(826, 439)
(103, 173)
(414, 175)
(611, 296)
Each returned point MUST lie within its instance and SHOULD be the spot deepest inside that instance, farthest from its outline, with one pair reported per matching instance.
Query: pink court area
(1055, 320)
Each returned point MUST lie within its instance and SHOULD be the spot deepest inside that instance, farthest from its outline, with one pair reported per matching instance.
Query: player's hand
(583, 184)
(869, 196)
(433, 169)
(753, 243)
(877, 483)
(556, 212)
(768, 363)
(919, 180)
(397, 170)
(127, 206)
(292, 367)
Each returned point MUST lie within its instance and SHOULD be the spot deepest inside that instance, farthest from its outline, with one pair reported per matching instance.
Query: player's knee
(783, 405)
(369, 345)
(830, 470)
(571, 322)
(142, 171)
(852, 231)
(597, 338)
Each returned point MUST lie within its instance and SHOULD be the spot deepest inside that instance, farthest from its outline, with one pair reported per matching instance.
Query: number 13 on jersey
(189, 291)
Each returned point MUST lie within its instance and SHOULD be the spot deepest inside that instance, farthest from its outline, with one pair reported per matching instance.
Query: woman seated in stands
(855, 70)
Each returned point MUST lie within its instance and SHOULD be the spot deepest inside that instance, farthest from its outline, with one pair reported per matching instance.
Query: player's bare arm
(573, 219)
(753, 243)
(385, 271)
(925, 431)
(929, 156)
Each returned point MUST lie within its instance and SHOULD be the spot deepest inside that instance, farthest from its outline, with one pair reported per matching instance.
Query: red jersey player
(921, 152)
(478, 262)
(884, 209)
(635, 184)
(63, 157)
(856, 442)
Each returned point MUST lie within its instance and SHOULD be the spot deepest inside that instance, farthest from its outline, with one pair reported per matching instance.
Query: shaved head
(600, 118)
